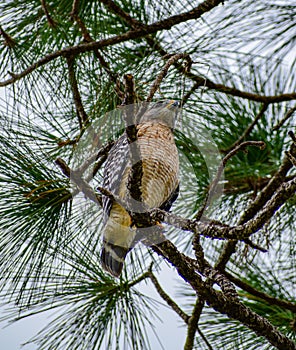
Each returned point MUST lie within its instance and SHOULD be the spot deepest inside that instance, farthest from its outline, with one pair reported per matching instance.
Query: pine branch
(165, 24)
(193, 324)
(199, 81)
(143, 31)
(286, 117)
(8, 40)
(219, 302)
(81, 114)
(268, 191)
(214, 184)
(172, 60)
(83, 186)
(167, 298)
(269, 299)
(249, 128)
(50, 21)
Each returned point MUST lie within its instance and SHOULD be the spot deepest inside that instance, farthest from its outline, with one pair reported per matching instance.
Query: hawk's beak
(172, 104)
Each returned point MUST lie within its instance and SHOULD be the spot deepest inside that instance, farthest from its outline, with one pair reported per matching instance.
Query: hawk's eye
(159, 103)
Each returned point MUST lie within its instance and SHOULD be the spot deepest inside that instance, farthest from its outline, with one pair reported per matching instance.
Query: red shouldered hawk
(159, 182)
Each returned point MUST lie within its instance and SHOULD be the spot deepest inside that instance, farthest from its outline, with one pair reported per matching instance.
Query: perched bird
(159, 185)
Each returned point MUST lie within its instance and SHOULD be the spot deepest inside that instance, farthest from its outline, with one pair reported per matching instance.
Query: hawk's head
(162, 111)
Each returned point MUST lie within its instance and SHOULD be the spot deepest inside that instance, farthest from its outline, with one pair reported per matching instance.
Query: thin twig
(213, 186)
(75, 7)
(88, 39)
(219, 302)
(129, 90)
(254, 245)
(167, 298)
(139, 279)
(287, 116)
(239, 232)
(269, 299)
(213, 276)
(293, 137)
(8, 40)
(50, 20)
(81, 114)
(112, 75)
(241, 147)
(193, 324)
(83, 186)
(164, 72)
(249, 128)
(204, 339)
(291, 158)
(268, 191)
(85, 33)
(196, 85)
(103, 151)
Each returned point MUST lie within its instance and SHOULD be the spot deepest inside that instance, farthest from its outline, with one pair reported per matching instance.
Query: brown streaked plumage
(159, 182)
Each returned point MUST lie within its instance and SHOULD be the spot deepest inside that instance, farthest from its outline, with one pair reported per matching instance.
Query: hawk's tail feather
(112, 258)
